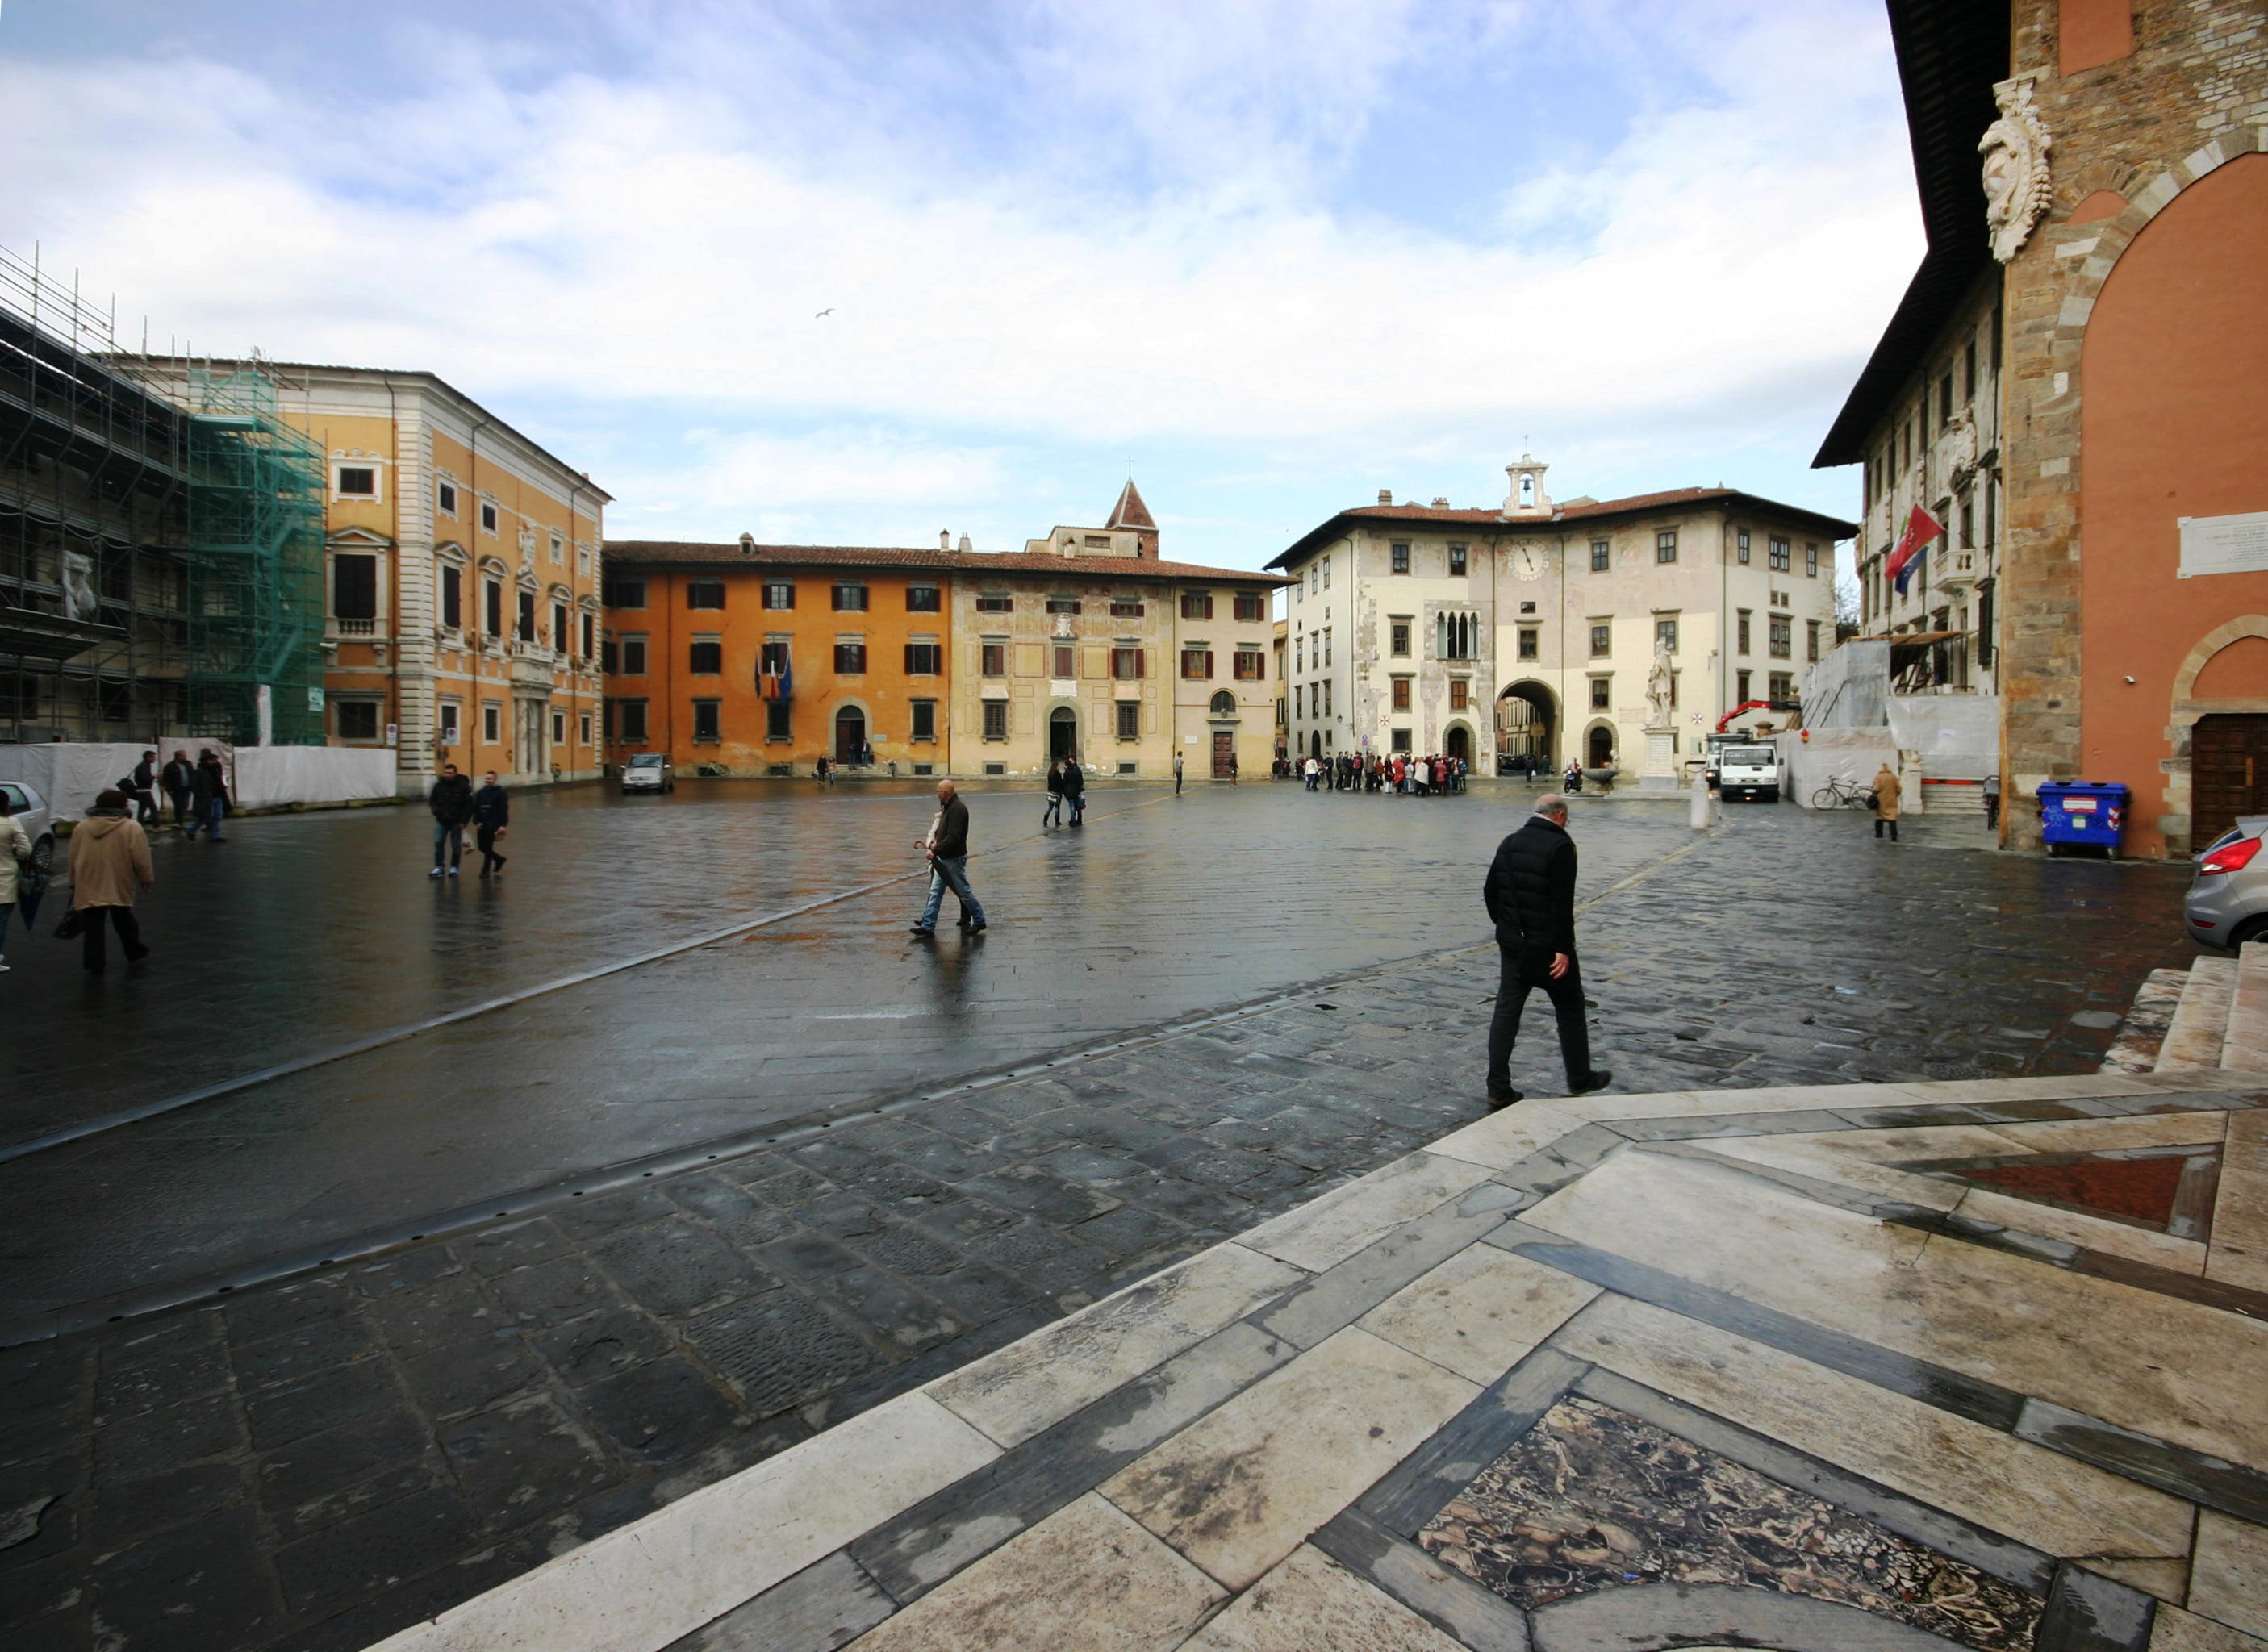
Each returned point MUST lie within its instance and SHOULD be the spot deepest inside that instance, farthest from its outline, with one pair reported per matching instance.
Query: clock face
(1527, 564)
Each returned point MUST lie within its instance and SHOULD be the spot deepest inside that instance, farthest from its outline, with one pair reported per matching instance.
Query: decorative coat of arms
(2016, 185)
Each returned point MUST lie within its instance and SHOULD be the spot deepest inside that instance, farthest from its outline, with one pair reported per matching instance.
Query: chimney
(1386, 495)
(964, 547)
(747, 545)
(945, 539)
(1440, 502)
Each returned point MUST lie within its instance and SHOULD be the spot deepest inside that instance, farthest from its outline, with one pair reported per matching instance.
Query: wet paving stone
(547, 1378)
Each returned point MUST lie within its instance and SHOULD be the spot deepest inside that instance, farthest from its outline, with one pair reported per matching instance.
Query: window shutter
(910, 659)
(1208, 665)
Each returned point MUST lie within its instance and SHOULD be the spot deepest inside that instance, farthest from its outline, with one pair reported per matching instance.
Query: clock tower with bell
(1526, 502)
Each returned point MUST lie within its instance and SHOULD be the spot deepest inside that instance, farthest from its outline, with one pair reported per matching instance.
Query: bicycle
(1838, 794)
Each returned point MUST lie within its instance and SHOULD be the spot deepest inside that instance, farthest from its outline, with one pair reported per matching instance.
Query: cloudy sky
(1278, 253)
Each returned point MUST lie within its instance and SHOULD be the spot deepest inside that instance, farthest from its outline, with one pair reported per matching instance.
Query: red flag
(1921, 528)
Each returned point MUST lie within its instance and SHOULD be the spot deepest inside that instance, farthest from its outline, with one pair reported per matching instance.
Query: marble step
(2143, 1032)
(2200, 1023)
(2244, 1046)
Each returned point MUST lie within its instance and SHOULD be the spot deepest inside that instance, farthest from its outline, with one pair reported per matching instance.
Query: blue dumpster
(2082, 812)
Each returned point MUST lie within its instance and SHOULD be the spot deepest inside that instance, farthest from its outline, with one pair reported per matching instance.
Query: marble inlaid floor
(1868, 1368)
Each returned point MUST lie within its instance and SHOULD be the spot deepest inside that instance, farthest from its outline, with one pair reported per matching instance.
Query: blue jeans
(451, 832)
(950, 871)
(209, 815)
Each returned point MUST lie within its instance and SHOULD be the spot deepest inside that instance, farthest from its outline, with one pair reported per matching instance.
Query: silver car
(2227, 902)
(649, 771)
(31, 814)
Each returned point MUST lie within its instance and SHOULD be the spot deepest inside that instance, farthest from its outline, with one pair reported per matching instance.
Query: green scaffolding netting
(255, 565)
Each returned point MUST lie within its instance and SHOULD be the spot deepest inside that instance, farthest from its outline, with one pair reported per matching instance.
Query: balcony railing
(358, 627)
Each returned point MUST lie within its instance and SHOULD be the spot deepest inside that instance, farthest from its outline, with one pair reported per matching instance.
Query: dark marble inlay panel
(1592, 1498)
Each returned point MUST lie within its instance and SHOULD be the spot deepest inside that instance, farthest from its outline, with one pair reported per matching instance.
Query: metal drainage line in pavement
(528, 1202)
(410, 1030)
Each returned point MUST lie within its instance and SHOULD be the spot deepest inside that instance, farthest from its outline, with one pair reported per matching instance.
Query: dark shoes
(1505, 1099)
(976, 928)
(1598, 1079)
(921, 928)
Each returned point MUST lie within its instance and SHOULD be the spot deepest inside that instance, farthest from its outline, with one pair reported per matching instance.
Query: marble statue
(1660, 688)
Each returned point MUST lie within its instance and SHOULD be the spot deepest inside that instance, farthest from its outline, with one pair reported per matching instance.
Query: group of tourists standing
(1067, 785)
(1428, 777)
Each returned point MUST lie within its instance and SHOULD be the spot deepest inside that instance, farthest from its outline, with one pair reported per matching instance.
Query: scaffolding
(255, 565)
(161, 538)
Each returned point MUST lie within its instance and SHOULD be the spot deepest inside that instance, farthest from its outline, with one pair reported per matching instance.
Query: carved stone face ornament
(2016, 171)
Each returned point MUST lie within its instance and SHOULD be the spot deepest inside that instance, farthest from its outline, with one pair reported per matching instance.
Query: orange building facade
(2092, 174)
(765, 659)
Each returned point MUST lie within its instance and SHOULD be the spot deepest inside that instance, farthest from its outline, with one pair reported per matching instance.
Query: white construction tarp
(269, 775)
(70, 775)
(1816, 756)
(1850, 688)
(1957, 735)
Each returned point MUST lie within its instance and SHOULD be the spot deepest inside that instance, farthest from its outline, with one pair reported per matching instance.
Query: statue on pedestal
(1660, 690)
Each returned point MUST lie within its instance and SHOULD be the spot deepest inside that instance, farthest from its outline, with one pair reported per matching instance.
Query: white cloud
(1144, 248)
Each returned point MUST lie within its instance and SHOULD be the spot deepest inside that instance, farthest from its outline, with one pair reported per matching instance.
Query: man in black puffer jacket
(1530, 895)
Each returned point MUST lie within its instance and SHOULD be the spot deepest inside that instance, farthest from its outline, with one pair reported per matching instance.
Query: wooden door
(2229, 773)
(1223, 745)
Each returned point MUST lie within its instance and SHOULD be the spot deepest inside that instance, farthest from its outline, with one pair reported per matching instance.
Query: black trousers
(90, 937)
(1516, 978)
(485, 836)
(180, 807)
(1879, 823)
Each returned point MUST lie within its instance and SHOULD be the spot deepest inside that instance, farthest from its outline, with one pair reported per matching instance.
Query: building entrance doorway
(527, 754)
(1315, 743)
(1601, 752)
(1527, 731)
(2229, 773)
(850, 735)
(1063, 734)
(1224, 747)
(1461, 745)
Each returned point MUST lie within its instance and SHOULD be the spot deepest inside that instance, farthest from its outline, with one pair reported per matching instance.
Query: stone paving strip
(1313, 1434)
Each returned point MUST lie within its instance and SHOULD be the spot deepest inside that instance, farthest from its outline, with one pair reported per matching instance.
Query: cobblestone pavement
(317, 1461)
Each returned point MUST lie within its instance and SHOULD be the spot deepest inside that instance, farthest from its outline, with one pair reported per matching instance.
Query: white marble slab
(2126, 1130)
(1036, 1382)
(2228, 1574)
(2076, 1227)
(644, 1585)
(1242, 1489)
(1503, 1139)
(1310, 1604)
(1829, 1157)
(1326, 1232)
(2238, 1253)
(1479, 1313)
(1991, 1478)
(2157, 1364)
(1085, 1579)
(2179, 1631)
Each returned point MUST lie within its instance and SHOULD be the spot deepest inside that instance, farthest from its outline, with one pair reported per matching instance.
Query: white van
(1748, 771)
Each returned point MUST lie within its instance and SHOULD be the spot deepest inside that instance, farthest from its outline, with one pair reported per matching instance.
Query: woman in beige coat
(109, 862)
(1886, 802)
(15, 859)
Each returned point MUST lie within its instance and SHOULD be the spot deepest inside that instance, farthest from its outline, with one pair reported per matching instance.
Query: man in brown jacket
(1886, 802)
(109, 861)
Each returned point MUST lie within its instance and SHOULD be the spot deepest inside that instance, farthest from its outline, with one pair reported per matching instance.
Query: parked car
(649, 771)
(38, 820)
(2227, 902)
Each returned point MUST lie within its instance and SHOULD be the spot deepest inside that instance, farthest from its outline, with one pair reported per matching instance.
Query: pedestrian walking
(1177, 770)
(179, 780)
(1074, 785)
(1310, 768)
(1530, 896)
(1887, 792)
(15, 869)
(109, 862)
(451, 800)
(1177, 774)
(491, 820)
(1993, 801)
(1052, 815)
(208, 796)
(946, 845)
(139, 787)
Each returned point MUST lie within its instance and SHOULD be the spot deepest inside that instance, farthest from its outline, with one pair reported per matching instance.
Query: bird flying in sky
(824, 313)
